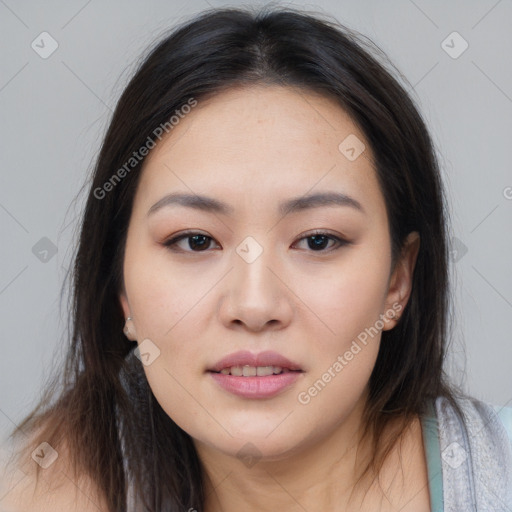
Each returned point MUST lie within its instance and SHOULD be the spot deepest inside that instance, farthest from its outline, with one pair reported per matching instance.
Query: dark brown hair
(101, 398)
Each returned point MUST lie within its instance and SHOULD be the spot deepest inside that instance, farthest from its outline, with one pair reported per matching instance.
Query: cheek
(177, 394)
(349, 300)
(166, 305)
(173, 375)
(344, 356)
(162, 298)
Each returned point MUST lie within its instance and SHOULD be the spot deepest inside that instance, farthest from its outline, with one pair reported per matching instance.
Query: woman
(261, 294)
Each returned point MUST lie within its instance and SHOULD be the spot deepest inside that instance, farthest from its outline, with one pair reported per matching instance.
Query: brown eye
(318, 241)
(197, 242)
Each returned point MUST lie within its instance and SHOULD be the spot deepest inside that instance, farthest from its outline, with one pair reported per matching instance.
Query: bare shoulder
(55, 489)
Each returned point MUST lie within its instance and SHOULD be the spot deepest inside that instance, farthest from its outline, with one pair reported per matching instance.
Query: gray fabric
(476, 456)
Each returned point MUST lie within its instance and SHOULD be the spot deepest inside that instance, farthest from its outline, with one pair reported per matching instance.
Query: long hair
(101, 398)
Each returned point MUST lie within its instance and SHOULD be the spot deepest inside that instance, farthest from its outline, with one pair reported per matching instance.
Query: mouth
(254, 371)
(248, 375)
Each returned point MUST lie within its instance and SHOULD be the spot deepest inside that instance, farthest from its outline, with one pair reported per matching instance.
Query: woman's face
(254, 164)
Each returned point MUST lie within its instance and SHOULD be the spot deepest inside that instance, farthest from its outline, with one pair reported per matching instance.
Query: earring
(126, 329)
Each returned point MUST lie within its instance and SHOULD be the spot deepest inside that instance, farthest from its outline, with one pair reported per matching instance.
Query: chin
(260, 444)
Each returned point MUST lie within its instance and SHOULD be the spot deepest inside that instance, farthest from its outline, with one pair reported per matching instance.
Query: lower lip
(256, 387)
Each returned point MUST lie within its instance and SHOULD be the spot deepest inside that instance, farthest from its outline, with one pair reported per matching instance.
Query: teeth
(253, 371)
(249, 371)
(236, 370)
(261, 371)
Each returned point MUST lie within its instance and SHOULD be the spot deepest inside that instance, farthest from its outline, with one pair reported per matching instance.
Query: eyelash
(188, 234)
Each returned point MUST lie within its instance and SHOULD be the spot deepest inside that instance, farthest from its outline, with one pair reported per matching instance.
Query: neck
(319, 476)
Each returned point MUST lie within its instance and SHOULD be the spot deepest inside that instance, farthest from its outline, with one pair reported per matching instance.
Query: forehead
(262, 142)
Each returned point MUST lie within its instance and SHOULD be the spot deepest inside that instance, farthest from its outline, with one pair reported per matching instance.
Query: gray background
(54, 112)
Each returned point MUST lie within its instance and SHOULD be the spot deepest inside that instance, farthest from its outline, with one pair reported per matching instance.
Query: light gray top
(469, 459)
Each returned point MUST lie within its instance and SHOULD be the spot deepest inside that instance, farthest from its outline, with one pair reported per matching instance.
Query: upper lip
(245, 358)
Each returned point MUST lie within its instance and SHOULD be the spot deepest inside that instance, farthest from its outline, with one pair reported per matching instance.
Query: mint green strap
(433, 452)
(505, 415)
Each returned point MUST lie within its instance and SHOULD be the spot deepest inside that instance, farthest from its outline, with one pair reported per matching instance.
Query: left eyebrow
(318, 200)
(209, 204)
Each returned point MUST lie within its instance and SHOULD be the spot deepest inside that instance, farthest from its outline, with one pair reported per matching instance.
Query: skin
(253, 148)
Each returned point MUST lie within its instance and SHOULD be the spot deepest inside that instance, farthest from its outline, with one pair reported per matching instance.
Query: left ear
(400, 284)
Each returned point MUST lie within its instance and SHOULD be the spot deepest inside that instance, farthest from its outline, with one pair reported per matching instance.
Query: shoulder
(490, 419)
(53, 488)
(476, 453)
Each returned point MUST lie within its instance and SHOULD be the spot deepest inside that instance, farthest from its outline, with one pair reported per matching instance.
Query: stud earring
(126, 329)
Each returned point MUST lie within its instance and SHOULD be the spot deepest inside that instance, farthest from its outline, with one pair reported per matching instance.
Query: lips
(245, 358)
(255, 376)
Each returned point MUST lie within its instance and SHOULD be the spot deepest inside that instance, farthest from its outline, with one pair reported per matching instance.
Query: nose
(255, 295)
